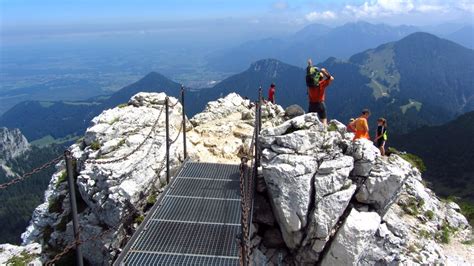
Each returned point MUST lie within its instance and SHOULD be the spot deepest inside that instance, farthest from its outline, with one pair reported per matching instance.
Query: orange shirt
(362, 128)
(317, 94)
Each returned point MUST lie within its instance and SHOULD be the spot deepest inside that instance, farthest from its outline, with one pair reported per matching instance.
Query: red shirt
(271, 94)
(317, 94)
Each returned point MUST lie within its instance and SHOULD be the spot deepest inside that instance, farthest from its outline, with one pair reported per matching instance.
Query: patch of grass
(429, 214)
(61, 178)
(151, 199)
(444, 235)
(23, 259)
(332, 127)
(412, 206)
(139, 219)
(162, 184)
(467, 209)
(122, 105)
(468, 242)
(414, 160)
(425, 234)
(412, 248)
(95, 145)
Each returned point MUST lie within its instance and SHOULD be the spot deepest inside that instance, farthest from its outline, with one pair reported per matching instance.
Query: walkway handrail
(248, 177)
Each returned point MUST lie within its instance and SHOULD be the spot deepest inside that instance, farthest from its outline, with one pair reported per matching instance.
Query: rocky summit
(321, 198)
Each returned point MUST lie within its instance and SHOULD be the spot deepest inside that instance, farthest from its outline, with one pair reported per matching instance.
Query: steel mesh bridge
(196, 221)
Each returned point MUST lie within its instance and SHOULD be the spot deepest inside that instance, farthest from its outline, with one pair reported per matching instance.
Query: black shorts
(380, 142)
(319, 108)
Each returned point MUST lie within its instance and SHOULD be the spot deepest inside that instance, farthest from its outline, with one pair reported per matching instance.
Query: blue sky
(31, 13)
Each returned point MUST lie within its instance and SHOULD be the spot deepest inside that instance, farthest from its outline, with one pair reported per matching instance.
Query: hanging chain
(32, 172)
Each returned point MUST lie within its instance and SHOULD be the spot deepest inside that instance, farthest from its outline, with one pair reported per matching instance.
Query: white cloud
(465, 5)
(384, 8)
(280, 5)
(326, 15)
(431, 8)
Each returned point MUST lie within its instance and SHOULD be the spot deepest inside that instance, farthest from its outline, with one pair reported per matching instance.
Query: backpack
(312, 76)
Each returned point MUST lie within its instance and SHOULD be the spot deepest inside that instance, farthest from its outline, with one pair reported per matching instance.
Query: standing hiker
(381, 135)
(361, 125)
(271, 93)
(317, 81)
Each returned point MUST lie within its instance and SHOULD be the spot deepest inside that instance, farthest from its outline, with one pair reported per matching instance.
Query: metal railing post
(244, 211)
(184, 123)
(260, 101)
(72, 200)
(167, 140)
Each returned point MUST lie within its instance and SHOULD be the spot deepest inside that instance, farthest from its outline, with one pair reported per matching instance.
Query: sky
(52, 16)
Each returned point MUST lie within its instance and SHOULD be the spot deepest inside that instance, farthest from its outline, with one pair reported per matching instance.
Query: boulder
(352, 239)
(293, 111)
(364, 153)
(384, 182)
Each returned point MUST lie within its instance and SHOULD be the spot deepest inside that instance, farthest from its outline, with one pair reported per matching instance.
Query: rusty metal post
(184, 123)
(72, 200)
(260, 101)
(244, 212)
(167, 124)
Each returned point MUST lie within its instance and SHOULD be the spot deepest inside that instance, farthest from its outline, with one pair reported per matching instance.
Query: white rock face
(223, 131)
(8, 252)
(312, 174)
(12, 143)
(352, 239)
(113, 192)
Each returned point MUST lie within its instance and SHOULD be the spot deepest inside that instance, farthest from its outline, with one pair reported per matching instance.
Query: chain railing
(68, 158)
(248, 177)
(32, 172)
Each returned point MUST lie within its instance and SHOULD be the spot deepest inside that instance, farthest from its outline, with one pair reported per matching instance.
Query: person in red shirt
(317, 95)
(271, 93)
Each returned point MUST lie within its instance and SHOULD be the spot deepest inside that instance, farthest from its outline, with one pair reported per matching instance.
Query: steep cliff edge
(324, 199)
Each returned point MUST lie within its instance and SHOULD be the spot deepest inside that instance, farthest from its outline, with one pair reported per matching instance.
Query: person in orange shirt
(361, 126)
(317, 94)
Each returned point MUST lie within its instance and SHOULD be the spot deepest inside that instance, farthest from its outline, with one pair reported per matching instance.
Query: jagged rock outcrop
(337, 202)
(112, 193)
(12, 143)
(225, 128)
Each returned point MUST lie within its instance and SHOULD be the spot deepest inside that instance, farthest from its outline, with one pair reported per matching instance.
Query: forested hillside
(447, 151)
(19, 200)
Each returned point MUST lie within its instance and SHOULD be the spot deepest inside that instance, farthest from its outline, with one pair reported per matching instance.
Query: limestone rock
(353, 238)
(113, 191)
(384, 182)
(364, 153)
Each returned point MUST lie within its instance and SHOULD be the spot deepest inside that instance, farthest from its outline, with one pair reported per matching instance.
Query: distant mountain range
(316, 41)
(419, 80)
(447, 151)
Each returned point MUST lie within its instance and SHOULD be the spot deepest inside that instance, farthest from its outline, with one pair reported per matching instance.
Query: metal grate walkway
(195, 222)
